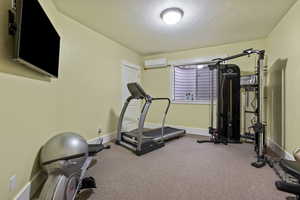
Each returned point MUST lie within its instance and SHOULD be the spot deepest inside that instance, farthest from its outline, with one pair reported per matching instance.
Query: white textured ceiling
(137, 24)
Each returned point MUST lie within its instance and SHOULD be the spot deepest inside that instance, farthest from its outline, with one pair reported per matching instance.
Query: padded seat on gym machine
(291, 167)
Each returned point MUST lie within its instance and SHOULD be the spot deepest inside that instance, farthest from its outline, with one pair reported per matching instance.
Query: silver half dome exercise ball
(65, 158)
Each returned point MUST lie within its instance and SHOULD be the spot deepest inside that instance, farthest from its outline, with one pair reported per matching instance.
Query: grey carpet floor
(183, 170)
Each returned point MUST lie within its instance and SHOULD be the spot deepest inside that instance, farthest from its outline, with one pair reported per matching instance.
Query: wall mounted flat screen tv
(37, 44)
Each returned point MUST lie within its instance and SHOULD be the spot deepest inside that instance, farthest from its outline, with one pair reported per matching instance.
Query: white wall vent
(156, 63)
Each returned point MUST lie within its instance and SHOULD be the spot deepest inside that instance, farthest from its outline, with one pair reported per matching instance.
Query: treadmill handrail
(165, 114)
(167, 99)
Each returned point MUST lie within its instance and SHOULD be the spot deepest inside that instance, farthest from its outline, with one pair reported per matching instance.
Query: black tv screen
(38, 42)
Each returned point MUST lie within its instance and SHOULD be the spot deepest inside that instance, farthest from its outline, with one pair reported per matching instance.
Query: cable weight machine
(226, 129)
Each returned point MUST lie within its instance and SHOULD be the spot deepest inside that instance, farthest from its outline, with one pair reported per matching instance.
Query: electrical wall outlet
(12, 183)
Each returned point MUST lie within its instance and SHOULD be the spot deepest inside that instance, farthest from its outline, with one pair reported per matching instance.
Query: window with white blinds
(192, 84)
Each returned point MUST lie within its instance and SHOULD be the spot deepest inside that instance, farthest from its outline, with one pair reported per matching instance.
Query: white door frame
(125, 65)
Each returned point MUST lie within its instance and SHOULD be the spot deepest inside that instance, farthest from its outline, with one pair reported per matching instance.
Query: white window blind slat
(192, 84)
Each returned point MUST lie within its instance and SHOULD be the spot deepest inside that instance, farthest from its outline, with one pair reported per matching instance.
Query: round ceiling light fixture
(172, 15)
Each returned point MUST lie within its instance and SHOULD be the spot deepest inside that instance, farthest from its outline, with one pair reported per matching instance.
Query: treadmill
(143, 140)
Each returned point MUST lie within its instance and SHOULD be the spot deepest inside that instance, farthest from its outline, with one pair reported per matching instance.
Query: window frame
(187, 62)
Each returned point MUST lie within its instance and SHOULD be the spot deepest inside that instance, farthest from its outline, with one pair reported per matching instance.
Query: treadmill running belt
(157, 132)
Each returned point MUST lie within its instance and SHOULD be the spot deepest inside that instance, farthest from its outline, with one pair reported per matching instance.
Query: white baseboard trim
(278, 149)
(189, 130)
(28, 190)
(106, 138)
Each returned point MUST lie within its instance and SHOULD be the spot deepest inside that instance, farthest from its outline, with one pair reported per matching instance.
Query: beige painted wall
(283, 45)
(157, 83)
(86, 96)
(33, 108)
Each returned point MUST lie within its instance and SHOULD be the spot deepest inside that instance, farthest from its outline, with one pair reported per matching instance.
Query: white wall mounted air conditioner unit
(155, 63)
